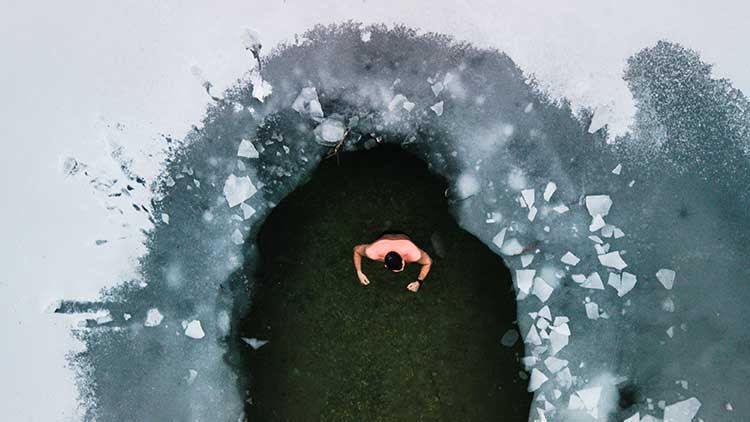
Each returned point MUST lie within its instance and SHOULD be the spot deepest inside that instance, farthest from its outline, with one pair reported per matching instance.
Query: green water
(340, 351)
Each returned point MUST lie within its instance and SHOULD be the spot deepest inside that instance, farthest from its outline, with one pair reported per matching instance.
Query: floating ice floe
(408, 105)
(532, 337)
(617, 169)
(307, 104)
(126, 317)
(593, 281)
(254, 342)
(587, 400)
(509, 338)
(238, 189)
(247, 211)
(247, 150)
(330, 131)
(528, 197)
(153, 318)
(104, 318)
(549, 190)
(541, 289)
(670, 332)
(592, 310)
(598, 205)
(666, 278)
(261, 87)
(537, 379)
(437, 88)
(635, 418)
(596, 239)
(165, 218)
(237, 237)
(194, 330)
(499, 238)
(192, 374)
(623, 283)
(532, 213)
(560, 208)
(612, 260)
(597, 223)
(570, 259)
(438, 108)
(554, 364)
(525, 279)
(545, 313)
(526, 260)
(365, 36)
(512, 247)
(682, 411)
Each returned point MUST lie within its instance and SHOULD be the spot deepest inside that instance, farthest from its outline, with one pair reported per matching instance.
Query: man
(394, 249)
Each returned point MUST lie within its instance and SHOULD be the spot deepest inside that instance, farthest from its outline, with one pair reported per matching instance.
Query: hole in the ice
(628, 394)
(342, 351)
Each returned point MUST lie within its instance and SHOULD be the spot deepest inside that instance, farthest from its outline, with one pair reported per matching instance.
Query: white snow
(153, 318)
(549, 190)
(247, 150)
(238, 189)
(570, 259)
(666, 278)
(194, 330)
(612, 260)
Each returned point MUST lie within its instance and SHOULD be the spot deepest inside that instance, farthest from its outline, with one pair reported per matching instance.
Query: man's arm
(426, 263)
(359, 252)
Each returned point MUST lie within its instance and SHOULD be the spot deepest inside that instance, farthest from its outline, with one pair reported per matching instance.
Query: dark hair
(393, 261)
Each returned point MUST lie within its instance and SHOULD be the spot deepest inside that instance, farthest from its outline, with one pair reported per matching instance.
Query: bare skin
(424, 260)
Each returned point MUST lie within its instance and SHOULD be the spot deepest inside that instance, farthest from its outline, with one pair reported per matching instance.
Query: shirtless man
(394, 249)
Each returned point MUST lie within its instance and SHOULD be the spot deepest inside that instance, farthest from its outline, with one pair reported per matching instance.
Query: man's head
(394, 262)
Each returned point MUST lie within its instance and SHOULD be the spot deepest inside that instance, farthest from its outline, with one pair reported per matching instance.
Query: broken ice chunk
(238, 189)
(560, 209)
(542, 290)
(509, 338)
(524, 279)
(396, 102)
(499, 238)
(165, 218)
(589, 400)
(194, 329)
(682, 411)
(612, 260)
(126, 316)
(254, 342)
(597, 223)
(617, 169)
(437, 88)
(608, 230)
(532, 337)
(596, 239)
(549, 190)
(330, 131)
(307, 104)
(593, 281)
(545, 313)
(622, 283)
(438, 108)
(554, 364)
(592, 310)
(598, 205)
(618, 233)
(570, 259)
(557, 340)
(578, 278)
(247, 150)
(532, 213)
(512, 247)
(153, 318)
(526, 260)
(635, 418)
(237, 237)
(365, 36)
(537, 379)
(666, 278)
(670, 332)
(408, 105)
(565, 378)
(192, 374)
(528, 197)
(105, 318)
(247, 210)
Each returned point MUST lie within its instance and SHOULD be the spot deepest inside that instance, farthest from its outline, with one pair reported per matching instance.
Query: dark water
(340, 351)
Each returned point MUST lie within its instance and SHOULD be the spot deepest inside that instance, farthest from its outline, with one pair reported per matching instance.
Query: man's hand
(413, 286)
(363, 278)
